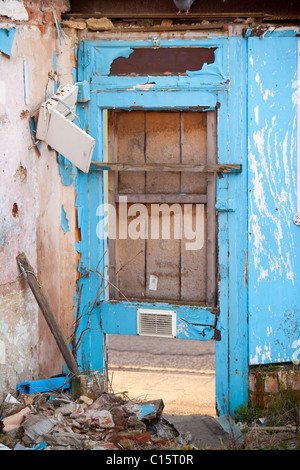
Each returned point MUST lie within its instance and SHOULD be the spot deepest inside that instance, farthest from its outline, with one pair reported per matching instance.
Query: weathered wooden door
(164, 191)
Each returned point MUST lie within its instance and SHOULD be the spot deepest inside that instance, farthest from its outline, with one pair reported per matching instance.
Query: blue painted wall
(274, 240)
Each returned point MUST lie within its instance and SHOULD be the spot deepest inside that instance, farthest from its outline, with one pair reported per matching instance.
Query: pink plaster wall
(31, 195)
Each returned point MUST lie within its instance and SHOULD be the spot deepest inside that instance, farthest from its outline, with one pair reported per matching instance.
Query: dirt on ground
(180, 372)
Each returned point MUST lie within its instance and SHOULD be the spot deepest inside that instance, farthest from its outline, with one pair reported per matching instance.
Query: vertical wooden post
(211, 210)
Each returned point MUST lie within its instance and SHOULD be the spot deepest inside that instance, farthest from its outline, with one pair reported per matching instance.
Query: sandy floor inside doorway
(180, 372)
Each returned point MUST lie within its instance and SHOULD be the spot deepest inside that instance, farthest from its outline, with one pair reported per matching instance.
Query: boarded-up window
(160, 250)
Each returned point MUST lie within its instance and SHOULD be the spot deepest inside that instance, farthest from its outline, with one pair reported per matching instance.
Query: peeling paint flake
(64, 220)
(13, 9)
(163, 60)
(6, 40)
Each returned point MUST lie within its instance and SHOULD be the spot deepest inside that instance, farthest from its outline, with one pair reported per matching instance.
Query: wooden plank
(186, 27)
(163, 198)
(211, 281)
(47, 312)
(175, 167)
(130, 135)
(193, 255)
(163, 253)
(193, 258)
(162, 147)
(112, 189)
(191, 16)
(131, 278)
(193, 151)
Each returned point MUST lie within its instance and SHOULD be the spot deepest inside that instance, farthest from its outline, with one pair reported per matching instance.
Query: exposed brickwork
(40, 12)
(265, 386)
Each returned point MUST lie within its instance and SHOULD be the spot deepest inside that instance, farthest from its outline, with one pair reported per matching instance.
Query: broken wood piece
(274, 428)
(216, 168)
(47, 312)
(162, 198)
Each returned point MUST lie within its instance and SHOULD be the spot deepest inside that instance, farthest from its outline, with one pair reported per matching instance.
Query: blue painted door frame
(219, 86)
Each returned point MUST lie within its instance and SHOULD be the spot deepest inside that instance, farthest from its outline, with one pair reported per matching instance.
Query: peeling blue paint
(64, 220)
(67, 170)
(33, 133)
(206, 90)
(6, 40)
(83, 92)
(192, 323)
(56, 85)
(274, 240)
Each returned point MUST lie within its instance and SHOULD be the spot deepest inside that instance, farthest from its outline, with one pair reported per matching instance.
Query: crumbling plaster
(31, 198)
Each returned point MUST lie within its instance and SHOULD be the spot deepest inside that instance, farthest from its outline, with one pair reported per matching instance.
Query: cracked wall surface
(32, 194)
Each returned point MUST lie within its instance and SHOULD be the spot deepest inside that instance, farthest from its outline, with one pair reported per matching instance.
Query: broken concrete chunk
(99, 24)
(65, 439)
(105, 446)
(107, 401)
(135, 423)
(35, 426)
(88, 401)
(120, 416)
(102, 418)
(70, 409)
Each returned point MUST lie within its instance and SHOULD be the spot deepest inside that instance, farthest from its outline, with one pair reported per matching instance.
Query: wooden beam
(47, 312)
(186, 27)
(217, 168)
(163, 198)
(191, 16)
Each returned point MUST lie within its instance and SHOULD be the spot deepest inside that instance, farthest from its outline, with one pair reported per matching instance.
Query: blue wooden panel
(210, 88)
(157, 100)
(274, 240)
(97, 57)
(90, 193)
(237, 226)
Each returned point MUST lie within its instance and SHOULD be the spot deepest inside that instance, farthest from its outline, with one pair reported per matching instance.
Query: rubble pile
(56, 421)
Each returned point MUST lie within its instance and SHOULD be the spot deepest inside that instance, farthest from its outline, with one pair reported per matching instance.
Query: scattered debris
(56, 421)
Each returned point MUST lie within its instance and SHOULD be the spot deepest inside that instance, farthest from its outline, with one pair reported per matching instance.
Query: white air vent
(156, 323)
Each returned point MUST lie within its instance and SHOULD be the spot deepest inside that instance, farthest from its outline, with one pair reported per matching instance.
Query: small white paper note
(153, 282)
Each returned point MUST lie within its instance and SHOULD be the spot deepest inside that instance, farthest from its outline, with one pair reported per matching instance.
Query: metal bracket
(297, 218)
(225, 205)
